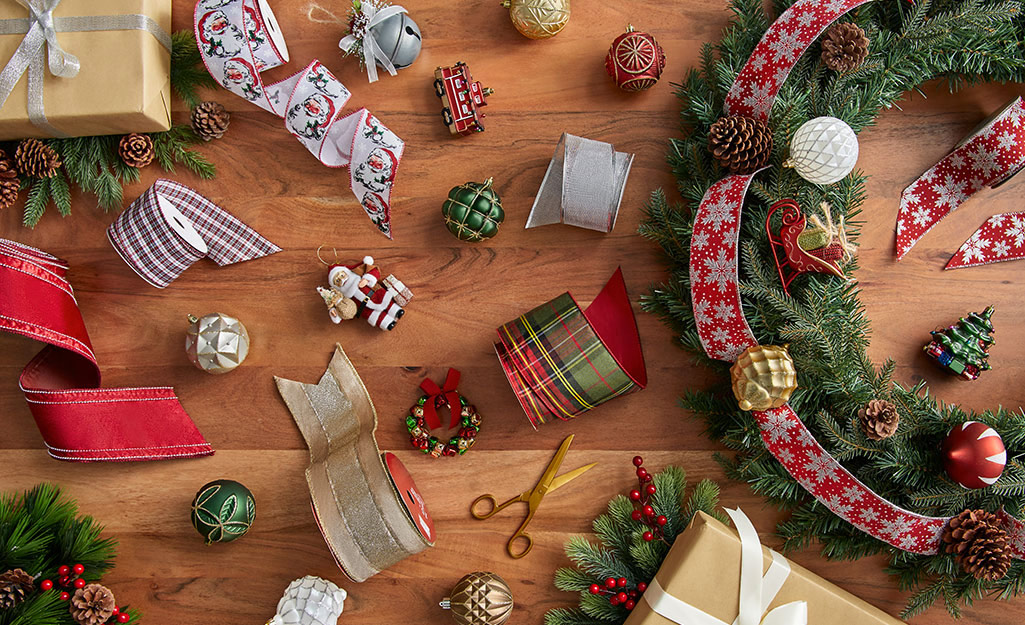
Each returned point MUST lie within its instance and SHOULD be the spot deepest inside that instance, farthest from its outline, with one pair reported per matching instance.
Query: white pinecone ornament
(310, 601)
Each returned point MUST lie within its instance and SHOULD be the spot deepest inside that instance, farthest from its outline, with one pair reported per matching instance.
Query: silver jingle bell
(399, 38)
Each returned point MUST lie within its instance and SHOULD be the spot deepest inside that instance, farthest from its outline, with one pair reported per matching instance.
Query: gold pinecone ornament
(844, 47)
(763, 377)
(879, 419)
(15, 585)
(740, 144)
(136, 150)
(92, 604)
(35, 159)
(480, 598)
(210, 120)
(979, 542)
(9, 183)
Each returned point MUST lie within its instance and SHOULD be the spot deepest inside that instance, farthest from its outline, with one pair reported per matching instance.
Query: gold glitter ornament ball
(480, 598)
(538, 19)
(763, 377)
(216, 343)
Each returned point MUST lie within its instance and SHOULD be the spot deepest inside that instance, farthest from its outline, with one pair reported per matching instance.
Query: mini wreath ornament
(423, 417)
(854, 494)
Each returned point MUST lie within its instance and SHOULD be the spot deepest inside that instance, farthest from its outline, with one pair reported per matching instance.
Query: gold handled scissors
(532, 498)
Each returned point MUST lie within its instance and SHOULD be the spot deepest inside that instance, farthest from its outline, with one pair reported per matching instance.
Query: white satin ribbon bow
(371, 51)
(756, 591)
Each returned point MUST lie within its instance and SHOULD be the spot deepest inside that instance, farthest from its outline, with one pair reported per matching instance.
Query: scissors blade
(544, 483)
(571, 475)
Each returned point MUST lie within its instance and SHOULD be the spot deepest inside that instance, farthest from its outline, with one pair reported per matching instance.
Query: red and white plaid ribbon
(723, 328)
(239, 39)
(986, 158)
(157, 245)
(78, 419)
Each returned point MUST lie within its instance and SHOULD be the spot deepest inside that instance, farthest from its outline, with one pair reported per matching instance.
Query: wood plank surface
(463, 292)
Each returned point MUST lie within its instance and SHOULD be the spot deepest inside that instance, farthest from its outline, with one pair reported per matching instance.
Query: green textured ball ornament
(473, 211)
(223, 511)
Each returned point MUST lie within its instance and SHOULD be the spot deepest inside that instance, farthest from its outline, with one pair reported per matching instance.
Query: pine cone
(92, 604)
(36, 159)
(136, 150)
(844, 47)
(9, 183)
(741, 144)
(14, 585)
(979, 542)
(210, 120)
(879, 419)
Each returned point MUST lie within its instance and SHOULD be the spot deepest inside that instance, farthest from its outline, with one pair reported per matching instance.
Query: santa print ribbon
(437, 397)
(170, 226)
(757, 591)
(239, 39)
(79, 420)
(725, 333)
(986, 158)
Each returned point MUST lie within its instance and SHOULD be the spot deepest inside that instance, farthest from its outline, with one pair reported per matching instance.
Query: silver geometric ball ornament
(823, 150)
(216, 343)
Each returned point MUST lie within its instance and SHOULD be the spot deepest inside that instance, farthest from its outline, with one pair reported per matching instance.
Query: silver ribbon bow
(40, 29)
(372, 53)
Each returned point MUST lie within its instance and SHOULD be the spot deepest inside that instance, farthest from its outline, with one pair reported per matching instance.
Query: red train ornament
(461, 99)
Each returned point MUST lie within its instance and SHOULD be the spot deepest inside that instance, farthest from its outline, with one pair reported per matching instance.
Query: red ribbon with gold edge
(437, 397)
(78, 420)
(725, 333)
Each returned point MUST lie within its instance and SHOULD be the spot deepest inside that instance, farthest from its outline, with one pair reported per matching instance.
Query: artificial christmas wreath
(848, 405)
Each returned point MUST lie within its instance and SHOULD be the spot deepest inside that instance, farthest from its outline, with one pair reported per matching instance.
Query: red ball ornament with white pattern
(974, 455)
(635, 60)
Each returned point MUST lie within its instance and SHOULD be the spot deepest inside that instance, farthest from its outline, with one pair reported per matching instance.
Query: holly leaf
(250, 510)
(228, 508)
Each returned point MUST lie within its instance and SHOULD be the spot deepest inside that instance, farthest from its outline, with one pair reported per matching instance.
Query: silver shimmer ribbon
(40, 30)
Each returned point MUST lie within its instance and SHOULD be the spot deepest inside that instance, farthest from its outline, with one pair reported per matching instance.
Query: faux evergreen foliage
(823, 321)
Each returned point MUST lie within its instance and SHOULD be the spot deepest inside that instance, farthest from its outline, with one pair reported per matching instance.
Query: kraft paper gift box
(123, 84)
(703, 569)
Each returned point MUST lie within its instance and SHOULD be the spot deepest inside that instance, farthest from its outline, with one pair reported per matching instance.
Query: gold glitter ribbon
(360, 512)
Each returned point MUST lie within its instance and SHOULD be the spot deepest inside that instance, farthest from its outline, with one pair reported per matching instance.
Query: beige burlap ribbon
(360, 512)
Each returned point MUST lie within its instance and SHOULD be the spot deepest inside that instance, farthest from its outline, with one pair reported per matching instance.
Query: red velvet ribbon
(78, 420)
(437, 397)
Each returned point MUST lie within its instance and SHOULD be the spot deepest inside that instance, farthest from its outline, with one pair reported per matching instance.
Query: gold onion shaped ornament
(480, 598)
(763, 377)
(538, 19)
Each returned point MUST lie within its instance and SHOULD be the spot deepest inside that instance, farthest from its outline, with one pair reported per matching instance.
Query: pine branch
(188, 74)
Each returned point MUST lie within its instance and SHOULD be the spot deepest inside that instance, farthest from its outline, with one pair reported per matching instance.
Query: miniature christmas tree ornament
(635, 60)
(223, 511)
(310, 601)
(216, 343)
(473, 211)
(538, 19)
(823, 150)
(974, 455)
(461, 99)
(763, 377)
(357, 290)
(381, 34)
(480, 598)
(963, 348)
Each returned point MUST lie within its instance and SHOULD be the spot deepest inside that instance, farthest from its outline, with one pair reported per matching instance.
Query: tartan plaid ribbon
(556, 363)
(159, 253)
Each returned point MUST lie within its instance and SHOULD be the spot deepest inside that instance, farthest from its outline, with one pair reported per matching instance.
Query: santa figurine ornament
(357, 290)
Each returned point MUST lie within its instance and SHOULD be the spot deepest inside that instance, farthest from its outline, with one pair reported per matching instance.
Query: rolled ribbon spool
(583, 185)
(366, 504)
(240, 39)
(170, 227)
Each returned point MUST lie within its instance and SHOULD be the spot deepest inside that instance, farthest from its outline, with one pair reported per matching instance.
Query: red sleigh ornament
(792, 259)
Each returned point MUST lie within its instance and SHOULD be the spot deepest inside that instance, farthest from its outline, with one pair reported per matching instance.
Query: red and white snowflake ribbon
(985, 158)
(239, 39)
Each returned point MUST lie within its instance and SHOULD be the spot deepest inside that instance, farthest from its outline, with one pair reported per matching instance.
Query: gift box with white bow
(715, 575)
(84, 67)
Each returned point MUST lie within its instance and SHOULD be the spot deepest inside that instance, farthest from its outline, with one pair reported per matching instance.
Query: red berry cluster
(618, 593)
(644, 511)
(70, 577)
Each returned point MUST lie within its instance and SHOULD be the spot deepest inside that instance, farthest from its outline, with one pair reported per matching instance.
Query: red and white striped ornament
(974, 455)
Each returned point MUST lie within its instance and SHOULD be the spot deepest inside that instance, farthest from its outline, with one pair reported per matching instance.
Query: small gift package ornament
(84, 67)
(712, 574)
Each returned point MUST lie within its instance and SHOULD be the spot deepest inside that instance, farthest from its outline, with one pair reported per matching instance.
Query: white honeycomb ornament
(824, 150)
(310, 601)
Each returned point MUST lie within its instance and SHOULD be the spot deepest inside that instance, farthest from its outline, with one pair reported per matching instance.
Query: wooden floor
(463, 292)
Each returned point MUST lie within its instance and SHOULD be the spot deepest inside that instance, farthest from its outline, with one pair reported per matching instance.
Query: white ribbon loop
(756, 591)
(372, 52)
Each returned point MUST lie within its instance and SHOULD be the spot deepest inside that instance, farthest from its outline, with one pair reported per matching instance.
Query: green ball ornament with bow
(223, 511)
(473, 211)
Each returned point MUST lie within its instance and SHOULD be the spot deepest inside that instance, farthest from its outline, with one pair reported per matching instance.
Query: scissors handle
(494, 509)
(520, 536)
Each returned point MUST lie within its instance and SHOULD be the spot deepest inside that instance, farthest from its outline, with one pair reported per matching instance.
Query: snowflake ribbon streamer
(1000, 238)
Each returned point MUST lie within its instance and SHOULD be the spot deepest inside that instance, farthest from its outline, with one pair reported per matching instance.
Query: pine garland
(39, 531)
(93, 163)
(823, 321)
(621, 550)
